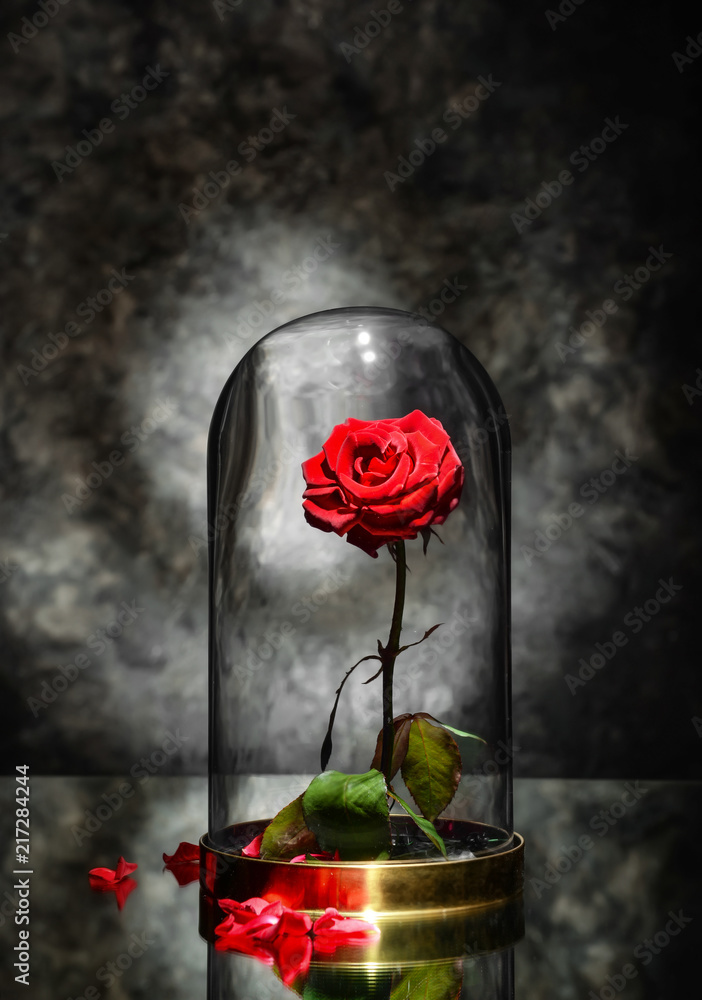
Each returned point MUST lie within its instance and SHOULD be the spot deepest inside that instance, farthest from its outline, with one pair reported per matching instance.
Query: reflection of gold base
(411, 939)
(375, 889)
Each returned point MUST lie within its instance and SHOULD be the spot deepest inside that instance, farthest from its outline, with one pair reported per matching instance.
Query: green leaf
(287, 834)
(401, 726)
(431, 981)
(423, 824)
(458, 732)
(349, 812)
(432, 767)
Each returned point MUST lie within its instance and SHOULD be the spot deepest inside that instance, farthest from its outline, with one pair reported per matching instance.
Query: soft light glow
(364, 337)
(368, 356)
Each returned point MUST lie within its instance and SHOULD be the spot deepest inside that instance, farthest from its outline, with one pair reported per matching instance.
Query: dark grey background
(161, 350)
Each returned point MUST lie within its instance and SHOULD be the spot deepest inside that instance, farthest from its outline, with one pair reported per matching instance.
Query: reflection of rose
(380, 481)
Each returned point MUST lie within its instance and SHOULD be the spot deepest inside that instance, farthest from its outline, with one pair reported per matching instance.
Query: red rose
(379, 481)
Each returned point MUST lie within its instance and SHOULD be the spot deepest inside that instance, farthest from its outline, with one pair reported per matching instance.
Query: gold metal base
(372, 889)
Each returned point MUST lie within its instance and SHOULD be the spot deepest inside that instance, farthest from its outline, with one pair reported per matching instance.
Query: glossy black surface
(618, 906)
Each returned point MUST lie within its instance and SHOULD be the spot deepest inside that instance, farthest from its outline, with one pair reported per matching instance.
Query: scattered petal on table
(108, 876)
(185, 854)
(293, 955)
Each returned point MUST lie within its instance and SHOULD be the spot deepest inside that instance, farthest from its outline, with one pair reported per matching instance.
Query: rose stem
(388, 656)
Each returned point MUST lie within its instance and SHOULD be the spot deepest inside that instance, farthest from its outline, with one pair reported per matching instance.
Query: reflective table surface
(610, 903)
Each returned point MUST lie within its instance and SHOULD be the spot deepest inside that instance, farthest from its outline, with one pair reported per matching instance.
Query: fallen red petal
(253, 850)
(324, 856)
(124, 868)
(293, 955)
(110, 876)
(186, 873)
(185, 854)
(294, 924)
(102, 876)
(331, 930)
(246, 946)
(245, 911)
(123, 890)
(264, 927)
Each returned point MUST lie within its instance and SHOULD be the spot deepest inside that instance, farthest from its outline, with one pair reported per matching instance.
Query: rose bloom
(380, 481)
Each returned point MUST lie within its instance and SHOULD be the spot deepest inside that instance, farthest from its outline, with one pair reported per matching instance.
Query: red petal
(186, 873)
(102, 876)
(329, 512)
(324, 856)
(262, 927)
(226, 926)
(246, 946)
(243, 912)
(123, 889)
(293, 956)
(294, 923)
(186, 852)
(364, 540)
(337, 438)
(430, 427)
(253, 850)
(316, 471)
(111, 876)
(124, 868)
(331, 930)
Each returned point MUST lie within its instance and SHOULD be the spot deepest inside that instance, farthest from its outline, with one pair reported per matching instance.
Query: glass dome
(359, 675)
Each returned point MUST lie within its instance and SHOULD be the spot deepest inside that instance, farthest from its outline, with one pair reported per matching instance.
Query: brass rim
(393, 888)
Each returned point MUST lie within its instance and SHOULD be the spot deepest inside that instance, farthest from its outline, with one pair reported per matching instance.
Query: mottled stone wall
(192, 243)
